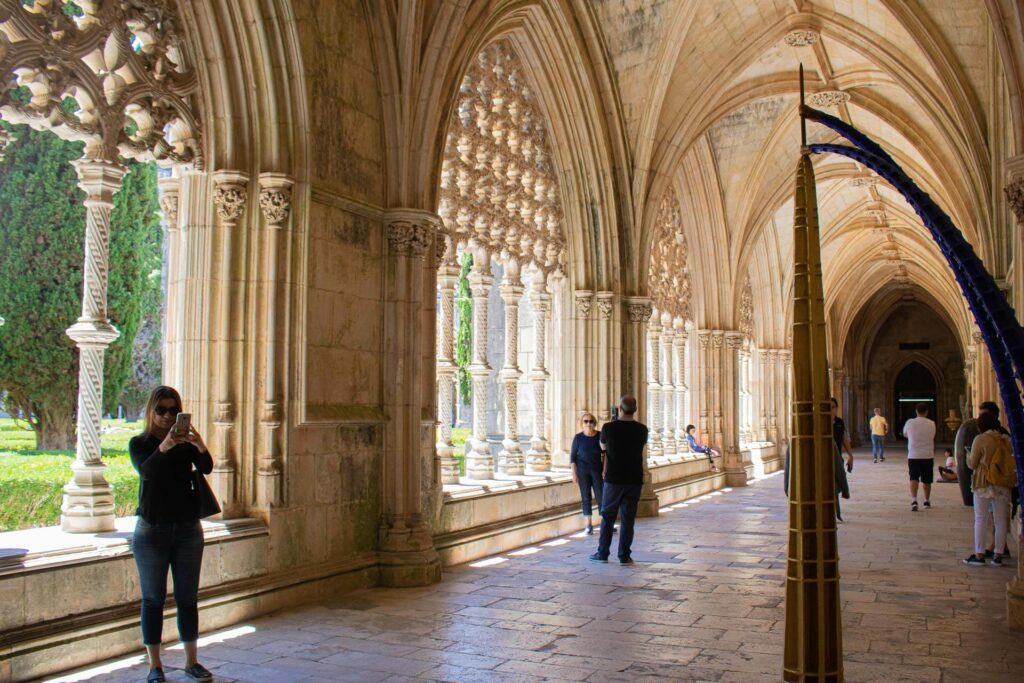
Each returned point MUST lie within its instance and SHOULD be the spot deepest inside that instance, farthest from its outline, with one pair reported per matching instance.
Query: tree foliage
(42, 230)
(464, 333)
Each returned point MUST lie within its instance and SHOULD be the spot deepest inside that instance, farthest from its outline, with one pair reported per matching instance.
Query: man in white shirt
(920, 433)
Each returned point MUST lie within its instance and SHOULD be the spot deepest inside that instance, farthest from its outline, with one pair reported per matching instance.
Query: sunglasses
(164, 410)
(590, 422)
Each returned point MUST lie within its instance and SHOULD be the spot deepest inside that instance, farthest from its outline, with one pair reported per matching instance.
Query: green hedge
(33, 481)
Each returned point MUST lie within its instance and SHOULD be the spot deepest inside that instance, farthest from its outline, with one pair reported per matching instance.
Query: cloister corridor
(704, 602)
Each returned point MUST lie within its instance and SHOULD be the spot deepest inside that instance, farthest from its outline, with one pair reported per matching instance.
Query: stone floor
(703, 602)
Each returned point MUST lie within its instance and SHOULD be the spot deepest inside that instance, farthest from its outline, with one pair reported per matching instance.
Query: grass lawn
(33, 481)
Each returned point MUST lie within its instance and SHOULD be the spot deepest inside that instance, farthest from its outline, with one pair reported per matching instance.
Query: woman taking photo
(168, 534)
(585, 460)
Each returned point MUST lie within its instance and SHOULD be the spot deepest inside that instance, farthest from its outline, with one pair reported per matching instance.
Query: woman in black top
(585, 460)
(168, 534)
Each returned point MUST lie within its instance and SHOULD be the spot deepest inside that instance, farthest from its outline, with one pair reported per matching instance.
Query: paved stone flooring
(703, 603)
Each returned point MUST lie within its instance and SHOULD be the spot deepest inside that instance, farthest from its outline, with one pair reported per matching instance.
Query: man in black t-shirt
(623, 440)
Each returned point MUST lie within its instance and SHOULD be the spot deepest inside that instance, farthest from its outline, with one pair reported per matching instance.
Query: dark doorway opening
(914, 384)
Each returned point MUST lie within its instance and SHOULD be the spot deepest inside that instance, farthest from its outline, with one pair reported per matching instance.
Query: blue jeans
(589, 479)
(624, 497)
(179, 547)
(877, 447)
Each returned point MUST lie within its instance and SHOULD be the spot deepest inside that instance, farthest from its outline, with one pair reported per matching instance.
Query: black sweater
(166, 487)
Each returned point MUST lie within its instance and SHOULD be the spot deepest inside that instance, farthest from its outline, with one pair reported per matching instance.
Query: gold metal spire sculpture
(814, 641)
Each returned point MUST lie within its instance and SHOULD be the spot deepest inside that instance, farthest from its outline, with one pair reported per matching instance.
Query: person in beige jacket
(990, 501)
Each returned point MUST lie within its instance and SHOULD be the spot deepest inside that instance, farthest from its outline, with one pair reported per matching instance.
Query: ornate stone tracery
(114, 77)
(747, 310)
(668, 276)
(499, 187)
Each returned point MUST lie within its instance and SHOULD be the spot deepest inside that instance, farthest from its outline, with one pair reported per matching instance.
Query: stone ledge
(45, 548)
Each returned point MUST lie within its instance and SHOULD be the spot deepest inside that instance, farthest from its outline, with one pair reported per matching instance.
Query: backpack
(1002, 470)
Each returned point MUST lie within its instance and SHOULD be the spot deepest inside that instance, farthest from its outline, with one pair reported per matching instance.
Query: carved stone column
(538, 458)
(605, 345)
(774, 391)
(737, 460)
(407, 553)
(702, 386)
(763, 395)
(668, 388)
(1015, 198)
(479, 461)
(447, 279)
(230, 197)
(88, 504)
(638, 316)
(719, 383)
(786, 384)
(654, 444)
(584, 388)
(510, 459)
(275, 202)
(679, 350)
(169, 190)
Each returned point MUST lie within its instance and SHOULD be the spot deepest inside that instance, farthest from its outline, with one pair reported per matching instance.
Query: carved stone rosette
(801, 38)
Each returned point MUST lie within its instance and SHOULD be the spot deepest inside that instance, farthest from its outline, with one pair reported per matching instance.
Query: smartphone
(183, 423)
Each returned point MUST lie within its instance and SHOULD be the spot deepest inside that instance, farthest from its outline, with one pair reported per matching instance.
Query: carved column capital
(639, 309)
(411, 232)
(733, 340)
(584, 302)
(230, 195)
(169, 190)
(275, 198)
(1014, 192)
(605, 305)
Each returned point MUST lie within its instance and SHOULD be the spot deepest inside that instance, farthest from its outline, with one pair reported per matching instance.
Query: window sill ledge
(44, 548)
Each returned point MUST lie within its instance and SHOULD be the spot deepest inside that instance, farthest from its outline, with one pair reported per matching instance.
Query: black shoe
(625, 560)
(875, 461)
(198, 672)
(989, 554)
(882, 459)
(913, 506)
(156, 675)
(590, 530)
(596, 557)
(997, 561)
(927, 505)
(972, 560)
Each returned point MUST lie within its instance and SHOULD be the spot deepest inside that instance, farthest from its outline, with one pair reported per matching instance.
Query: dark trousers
(589, 479)
(624, 497)
(177, 546)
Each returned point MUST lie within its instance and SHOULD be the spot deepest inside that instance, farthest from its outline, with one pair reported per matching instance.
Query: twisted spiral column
(668, 390)
(479, 461)
(510, 459)
(88, 504)
(538, 458)
(654, 444)
(679, 366)
(447, 279)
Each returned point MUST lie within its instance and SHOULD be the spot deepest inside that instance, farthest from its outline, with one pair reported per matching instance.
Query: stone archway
(914, 384)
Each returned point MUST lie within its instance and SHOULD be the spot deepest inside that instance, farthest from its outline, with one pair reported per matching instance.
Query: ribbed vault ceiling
(709, 91)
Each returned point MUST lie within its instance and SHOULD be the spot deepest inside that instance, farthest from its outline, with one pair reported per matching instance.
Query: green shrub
(33, 481)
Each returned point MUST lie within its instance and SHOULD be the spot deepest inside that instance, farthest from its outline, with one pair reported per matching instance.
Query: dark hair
(689, 428)
(990, 407)
(948, 450)
(835, 403)
(921, 409)
(986, 421)
(159, 394)
(628, 404)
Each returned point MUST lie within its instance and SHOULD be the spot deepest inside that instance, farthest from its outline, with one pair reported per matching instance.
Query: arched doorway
(914, 384)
